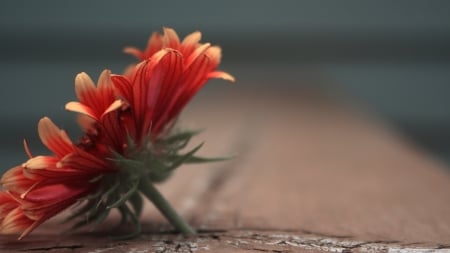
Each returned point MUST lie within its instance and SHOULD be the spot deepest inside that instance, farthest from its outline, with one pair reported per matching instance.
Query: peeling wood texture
(312, 174)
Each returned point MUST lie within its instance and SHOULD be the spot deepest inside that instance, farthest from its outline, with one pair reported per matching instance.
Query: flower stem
(149, 190)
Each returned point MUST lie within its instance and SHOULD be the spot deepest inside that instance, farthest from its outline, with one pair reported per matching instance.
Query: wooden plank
(311, 175)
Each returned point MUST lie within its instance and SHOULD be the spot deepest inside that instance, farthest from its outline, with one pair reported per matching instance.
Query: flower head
(128, 140)
(170, 74)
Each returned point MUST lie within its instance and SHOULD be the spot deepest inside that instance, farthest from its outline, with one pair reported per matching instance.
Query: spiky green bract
(141, 167)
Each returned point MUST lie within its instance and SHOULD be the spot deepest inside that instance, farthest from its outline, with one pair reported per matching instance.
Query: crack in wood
(71, 247)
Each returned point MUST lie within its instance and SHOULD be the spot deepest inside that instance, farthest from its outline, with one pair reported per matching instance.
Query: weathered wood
(311, 174)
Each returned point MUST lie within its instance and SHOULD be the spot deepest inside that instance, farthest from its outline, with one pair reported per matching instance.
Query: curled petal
(197, 52)
(221, 74)
(215, 55)
(54, 138)
(81, 108)
(114, 106)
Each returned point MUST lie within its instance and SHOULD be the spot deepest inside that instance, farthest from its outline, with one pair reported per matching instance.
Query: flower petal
(84, 88)
(197, 52)
(15, 180)
(16, 221)
(221, 74)
(134, 51)
(40, 162)
(190, 42)
(54, 138)
(81, 108)
(87, 124)
(123, 86)
(114, 106)
(215, 55)
(170, 38)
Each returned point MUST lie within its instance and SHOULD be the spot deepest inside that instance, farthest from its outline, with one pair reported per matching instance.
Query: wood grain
(311, 174)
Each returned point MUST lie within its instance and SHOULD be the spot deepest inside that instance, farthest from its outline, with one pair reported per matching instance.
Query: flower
(45, 185)
(170, 74)
(128, 141)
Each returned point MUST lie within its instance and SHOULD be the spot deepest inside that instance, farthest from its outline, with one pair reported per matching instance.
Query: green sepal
(125, 213)
(181, 136)
(153, 160)
(198, 159)
(125, 197)
(94, 217)
(137, 203)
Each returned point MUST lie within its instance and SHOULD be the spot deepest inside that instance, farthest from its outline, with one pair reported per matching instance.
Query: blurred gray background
(393, 57)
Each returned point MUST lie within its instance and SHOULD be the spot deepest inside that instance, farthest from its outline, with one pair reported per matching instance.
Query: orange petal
(84, 87)
(81, 108)
(54, 138)
(156, 58)
(192, 39)
(114, 106)
(40, 162)
(104, 81)
(221, 74)
(170, 38)
(215, 54)
(197, 52)
(27, 149)
(15, 222)
(190, 42)
(15, 180)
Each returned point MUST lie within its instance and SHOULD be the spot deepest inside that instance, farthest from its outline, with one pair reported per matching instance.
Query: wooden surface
(312, 174)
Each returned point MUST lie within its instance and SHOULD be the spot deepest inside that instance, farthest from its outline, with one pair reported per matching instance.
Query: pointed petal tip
(214, 53)
(83, 85)
(192, 39)
(104, 81)
(80, 108)
(46, 128)
(170, 38)
(114, 106)
(223, 75)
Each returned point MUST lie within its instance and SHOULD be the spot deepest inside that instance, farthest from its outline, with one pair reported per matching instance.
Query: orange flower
(45, 185)
(69, 162)
(127, 144)
(95, 102)
(98, 107)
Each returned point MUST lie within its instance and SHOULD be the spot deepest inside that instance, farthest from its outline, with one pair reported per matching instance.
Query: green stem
(147, 188)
